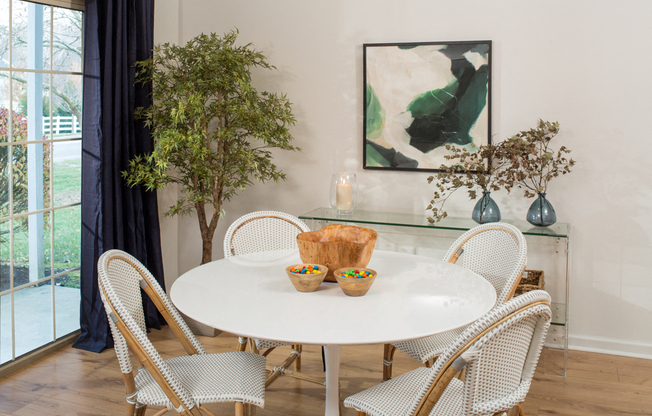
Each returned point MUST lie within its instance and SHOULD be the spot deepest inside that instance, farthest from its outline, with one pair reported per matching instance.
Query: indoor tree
(213, 131)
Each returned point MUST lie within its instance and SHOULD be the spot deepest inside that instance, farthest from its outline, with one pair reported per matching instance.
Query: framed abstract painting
(420, 97)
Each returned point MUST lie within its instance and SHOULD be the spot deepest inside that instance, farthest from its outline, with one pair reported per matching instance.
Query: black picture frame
(421, 96)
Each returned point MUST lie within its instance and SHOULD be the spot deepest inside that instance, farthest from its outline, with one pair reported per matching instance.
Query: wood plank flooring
(74, 382)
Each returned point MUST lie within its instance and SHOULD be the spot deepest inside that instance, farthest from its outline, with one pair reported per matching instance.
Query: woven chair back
(496, 251)
(502, 350)
(263, 231)
(121, 278)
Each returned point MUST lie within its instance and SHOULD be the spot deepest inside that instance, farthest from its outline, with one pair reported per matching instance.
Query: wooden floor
(74, 382)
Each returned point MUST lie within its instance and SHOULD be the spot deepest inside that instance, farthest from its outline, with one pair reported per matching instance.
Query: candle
(344, 197)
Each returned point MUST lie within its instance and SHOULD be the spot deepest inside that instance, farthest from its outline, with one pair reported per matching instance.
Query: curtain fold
(114, 216)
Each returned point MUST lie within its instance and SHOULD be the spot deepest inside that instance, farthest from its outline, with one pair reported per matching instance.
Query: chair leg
(139, 411)
(131, 409)
(250, 409)
(278, 371)
(242, 343)
(239, 409)
(297, 362)
(253, 347)
(359, 413)
(388, 358)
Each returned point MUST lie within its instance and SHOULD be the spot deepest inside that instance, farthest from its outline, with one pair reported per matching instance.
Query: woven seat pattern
(194, 379)
(502, 350)
(497, 252)
(209, 378)
(263, 231)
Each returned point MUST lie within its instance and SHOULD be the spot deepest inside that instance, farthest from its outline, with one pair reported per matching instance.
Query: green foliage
(524, 160)
(533, 163)
(213, 130)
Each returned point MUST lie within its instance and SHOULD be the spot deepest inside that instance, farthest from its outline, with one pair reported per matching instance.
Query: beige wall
(585, 63)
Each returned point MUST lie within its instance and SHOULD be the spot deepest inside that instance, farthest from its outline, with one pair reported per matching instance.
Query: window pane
(31, 188)
(67, 298)
(30, 245)
(33, 314)
(19, 178)
(67, 40)
(19, 34)
(4, 34)
(4, 179)
(47, 18)
(5, 269)
(30, 95)
(19, 98)
(29, 44)
(5, 329)
(66, 105)
(66, 183)
(67, 238)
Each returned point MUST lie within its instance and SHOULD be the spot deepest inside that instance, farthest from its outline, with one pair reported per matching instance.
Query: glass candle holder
(344, 192)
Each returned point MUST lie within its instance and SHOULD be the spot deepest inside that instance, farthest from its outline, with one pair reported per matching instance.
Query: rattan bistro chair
(263, 231)
(499, 353)
(496, 251)
(183, 383)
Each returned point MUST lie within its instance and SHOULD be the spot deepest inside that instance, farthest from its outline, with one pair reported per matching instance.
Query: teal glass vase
(541, 212)
(486, 210)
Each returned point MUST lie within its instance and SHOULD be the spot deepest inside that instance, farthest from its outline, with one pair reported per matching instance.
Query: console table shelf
(418, 225)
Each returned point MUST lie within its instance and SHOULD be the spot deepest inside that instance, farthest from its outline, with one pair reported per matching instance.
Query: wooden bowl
(306, 282)
(337, 246)
(355, 287)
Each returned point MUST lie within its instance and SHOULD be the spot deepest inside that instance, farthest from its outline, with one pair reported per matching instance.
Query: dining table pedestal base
(332, 355)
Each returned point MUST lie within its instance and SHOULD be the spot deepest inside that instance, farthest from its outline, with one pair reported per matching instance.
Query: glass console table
(548, 250)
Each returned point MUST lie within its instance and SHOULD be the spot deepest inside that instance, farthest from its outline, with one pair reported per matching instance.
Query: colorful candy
(356, 274)
(306, 270)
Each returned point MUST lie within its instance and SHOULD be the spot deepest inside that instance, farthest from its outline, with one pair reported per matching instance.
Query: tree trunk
(207, 231)
(207, 249)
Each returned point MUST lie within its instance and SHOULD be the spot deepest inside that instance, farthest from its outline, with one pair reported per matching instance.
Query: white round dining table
(412, 297)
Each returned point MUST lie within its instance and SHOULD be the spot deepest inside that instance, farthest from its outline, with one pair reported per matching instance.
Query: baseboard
(611, 346)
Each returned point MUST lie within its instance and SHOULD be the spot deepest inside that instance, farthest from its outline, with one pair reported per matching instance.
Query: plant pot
(541, 212)
(486, 210)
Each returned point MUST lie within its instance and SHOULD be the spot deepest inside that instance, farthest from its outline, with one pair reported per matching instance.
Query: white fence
(61, 125)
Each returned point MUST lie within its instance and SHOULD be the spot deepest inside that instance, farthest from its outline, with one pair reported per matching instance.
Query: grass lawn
(66, 186)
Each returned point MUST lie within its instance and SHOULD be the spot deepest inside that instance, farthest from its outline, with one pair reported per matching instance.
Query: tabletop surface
(412, 297)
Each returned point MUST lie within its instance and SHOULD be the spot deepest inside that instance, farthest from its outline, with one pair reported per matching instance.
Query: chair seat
(426, 348)
(263, 344)
(394, 397)
(390, 398)
(210, 378)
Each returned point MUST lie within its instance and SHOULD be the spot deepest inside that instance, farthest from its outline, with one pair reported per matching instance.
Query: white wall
(584, 63)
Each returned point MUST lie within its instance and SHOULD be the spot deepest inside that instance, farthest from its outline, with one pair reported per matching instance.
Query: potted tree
(212, 129)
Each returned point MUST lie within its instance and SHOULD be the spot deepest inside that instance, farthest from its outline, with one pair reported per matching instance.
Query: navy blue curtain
(117, 34)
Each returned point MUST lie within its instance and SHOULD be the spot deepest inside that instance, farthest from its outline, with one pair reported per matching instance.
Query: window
(40, 173)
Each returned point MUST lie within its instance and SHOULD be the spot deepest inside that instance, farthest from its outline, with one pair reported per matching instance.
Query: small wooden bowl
(306, 282)
(354, 287)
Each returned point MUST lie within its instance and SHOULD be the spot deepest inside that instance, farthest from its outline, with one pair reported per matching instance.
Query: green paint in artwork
(470, 106)
(375, 114)
(374, 158)
(433, 102)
